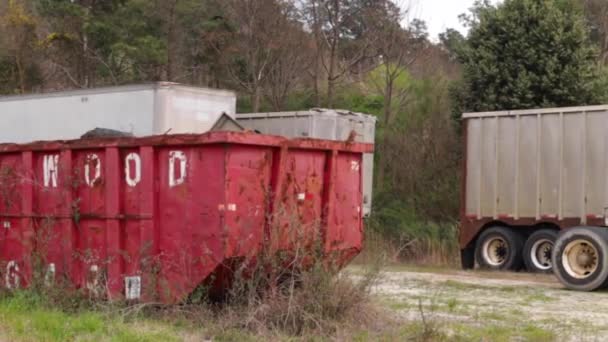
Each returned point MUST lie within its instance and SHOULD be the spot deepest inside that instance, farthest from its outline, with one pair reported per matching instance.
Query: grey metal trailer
(530, 174)
(147, 109)
(321, 124)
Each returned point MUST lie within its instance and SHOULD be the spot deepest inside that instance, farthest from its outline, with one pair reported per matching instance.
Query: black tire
(588, 273)
(499, 248)
(538, 251)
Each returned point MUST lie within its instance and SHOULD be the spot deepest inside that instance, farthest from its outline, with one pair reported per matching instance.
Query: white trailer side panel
(595, 178)
(549, 163)
(506, 173)
(182, 109)
(71, 115)
(141, 109)
(527, 167)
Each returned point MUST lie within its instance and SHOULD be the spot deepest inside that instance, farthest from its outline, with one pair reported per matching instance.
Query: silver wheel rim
(540, 253)
(495, 251)
(580, 259)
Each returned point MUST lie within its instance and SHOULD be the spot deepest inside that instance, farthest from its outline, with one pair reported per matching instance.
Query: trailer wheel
(538, 250)
(499, 248)
(580, 258)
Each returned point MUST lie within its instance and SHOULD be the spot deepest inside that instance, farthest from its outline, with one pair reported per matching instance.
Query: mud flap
(467, 258)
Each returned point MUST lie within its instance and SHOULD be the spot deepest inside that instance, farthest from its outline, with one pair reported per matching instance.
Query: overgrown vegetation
(320, 305)
(295, 292)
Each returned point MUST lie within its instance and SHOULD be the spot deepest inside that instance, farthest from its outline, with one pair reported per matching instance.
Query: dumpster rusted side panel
(344, 226)
(153, 218)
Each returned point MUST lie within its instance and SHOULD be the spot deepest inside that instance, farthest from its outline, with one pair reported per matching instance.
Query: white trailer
(142, 110)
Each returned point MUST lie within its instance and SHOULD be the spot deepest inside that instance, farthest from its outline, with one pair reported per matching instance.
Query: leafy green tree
(596, 12)
(74, 40)
(526, 54)
(451, 41)
(343, 33)
(19, 71)
(130, 43)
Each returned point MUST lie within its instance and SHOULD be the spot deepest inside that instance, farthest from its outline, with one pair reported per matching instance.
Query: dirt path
(495, 306)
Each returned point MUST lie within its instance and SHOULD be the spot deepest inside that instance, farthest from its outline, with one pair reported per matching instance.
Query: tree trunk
(20, 74)
(388, 112)
(316, 84)
(330, 77)
(85, 62)
(277, 101)
(388, 102)
(171, 41)
(85, 82)
(330, 93)
(255, 101)
(333, 54)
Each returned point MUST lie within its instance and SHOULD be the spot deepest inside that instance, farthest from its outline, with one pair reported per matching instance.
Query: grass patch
(501, 333)
(534, 333)
(398, 306)
(452, 303)
(462, 286)
(516, 313)
(400, 267)
(494, 315)
(24, 317)
(539, 297)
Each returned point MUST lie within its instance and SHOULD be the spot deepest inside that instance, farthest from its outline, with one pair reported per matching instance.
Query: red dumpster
(154, 217)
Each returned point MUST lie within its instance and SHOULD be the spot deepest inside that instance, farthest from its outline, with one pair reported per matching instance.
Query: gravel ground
(492, 306)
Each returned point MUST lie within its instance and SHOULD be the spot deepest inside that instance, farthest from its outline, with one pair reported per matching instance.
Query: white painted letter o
(133, 181)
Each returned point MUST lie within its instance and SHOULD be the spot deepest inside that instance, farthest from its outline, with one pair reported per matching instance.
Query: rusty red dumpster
(155, 217)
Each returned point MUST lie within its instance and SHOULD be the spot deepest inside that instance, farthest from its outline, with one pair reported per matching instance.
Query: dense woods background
(364, 55)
